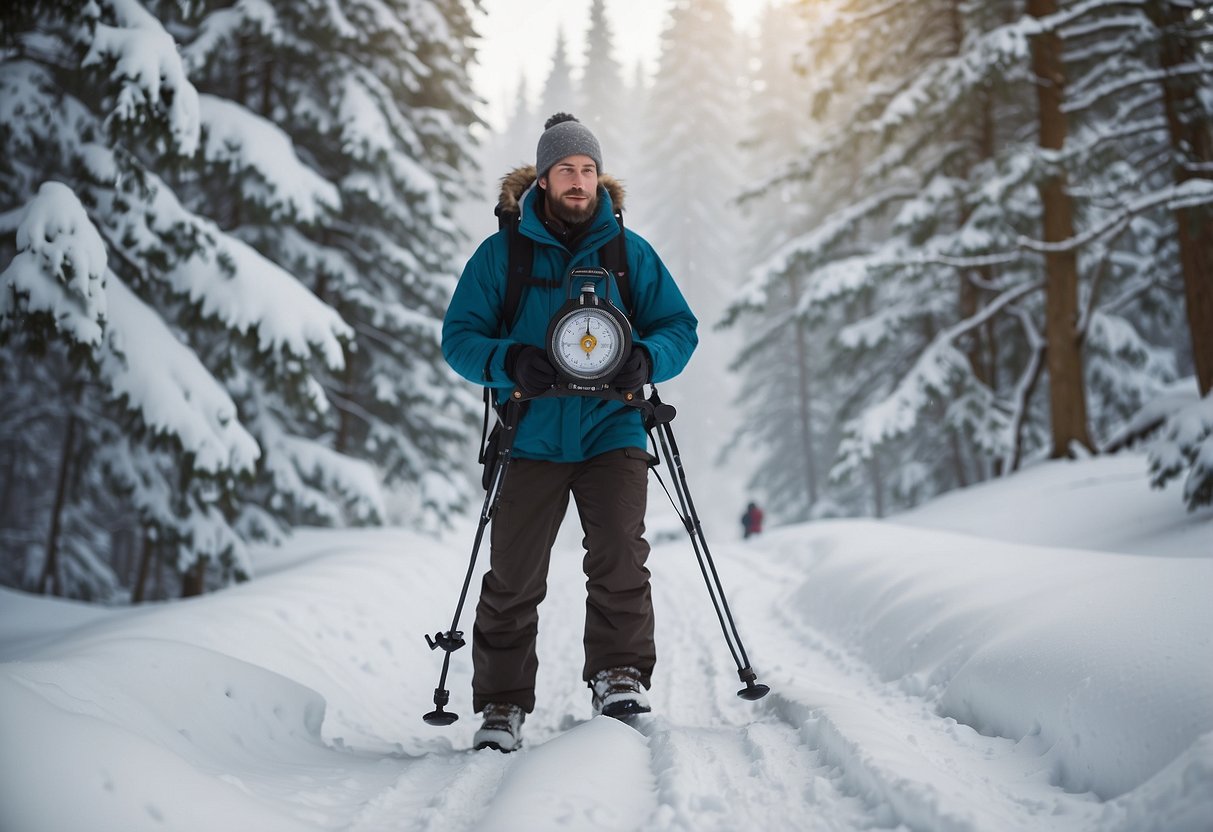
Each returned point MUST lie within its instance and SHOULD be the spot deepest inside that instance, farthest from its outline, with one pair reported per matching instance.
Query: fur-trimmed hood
(515, 183)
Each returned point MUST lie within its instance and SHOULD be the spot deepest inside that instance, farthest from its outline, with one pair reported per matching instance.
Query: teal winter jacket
(570, 428)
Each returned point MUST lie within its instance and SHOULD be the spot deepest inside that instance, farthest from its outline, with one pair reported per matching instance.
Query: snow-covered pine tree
(606, 107)
(681, 197)
(691, 169)
(376, 97)
(784, 415)
(1146, 148)
(932, 255)
(515, 144)
(111, 294)
(561, 92)
(901, 132)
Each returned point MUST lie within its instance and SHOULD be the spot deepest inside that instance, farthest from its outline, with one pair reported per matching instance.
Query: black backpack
(613, 255)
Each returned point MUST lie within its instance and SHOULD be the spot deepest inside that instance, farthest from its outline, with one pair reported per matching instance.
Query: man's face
(572, 189)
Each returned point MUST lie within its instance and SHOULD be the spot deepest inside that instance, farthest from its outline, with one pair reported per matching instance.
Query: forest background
(929, 243)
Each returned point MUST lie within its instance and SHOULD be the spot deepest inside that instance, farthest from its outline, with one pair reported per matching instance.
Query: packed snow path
(922, 680)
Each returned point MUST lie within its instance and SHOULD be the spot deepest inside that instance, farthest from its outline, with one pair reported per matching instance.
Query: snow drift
(923, 677)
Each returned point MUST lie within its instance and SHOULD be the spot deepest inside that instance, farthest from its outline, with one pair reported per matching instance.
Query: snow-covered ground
(1032, 654)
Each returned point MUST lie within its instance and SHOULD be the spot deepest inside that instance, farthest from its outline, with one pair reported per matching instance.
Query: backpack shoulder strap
(614, 257)
(520, 261)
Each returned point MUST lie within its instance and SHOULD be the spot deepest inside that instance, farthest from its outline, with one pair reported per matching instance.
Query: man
(590, 448)
(751, 521)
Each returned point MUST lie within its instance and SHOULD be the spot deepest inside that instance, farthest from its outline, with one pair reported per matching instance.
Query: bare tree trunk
(1067, 393)
(8, 483)
(159, 562)
(1191, 143)
(344, 417)
(145, 562)
(804, 400)
(877, 477)
(193, 582)
(49, 582)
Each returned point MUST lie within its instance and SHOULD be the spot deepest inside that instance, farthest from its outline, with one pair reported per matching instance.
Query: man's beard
(570, 215)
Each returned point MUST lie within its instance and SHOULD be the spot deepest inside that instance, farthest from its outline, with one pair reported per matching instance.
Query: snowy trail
(832, 748)
(901, 661)
(704, 760)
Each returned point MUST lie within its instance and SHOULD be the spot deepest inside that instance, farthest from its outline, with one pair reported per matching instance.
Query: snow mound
(575, 781)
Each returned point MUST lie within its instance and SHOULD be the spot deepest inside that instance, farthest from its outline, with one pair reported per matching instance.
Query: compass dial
(587, 343)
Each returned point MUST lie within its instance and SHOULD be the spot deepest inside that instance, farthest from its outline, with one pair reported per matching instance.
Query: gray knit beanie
(563, 135)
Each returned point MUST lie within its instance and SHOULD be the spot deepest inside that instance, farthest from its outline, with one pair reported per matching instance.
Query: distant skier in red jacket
(751, 521)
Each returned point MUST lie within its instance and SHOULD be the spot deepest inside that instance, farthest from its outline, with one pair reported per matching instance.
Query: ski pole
(452, 639)
(659, 416)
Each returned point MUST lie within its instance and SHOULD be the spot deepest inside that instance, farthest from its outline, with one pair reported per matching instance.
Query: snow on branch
(149, 71)
(60, 267)
(1075, 13)
(1186, 443)
(935, 373)
(940, 368)
(951, 79)
(230, 280)
(259, 295)
(1128, 81)
(374, 128)
(357, 481)
(245, 141)
(309, 474)
(222, 26)
(1190, 194)
(810, 246)
(162, 380)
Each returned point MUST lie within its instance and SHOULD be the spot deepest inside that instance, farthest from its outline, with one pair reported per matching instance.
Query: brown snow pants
(610, 491)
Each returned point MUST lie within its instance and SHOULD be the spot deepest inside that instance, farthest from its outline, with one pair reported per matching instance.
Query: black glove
(529, 368)
(635, 370)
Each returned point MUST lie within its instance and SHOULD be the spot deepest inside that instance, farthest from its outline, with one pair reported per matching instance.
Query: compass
(589, 337)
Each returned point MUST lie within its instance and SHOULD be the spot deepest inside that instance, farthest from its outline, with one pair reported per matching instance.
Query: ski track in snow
(832, 748)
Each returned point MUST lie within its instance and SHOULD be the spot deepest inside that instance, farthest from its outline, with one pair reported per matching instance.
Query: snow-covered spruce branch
(894, 415)
(1194, 192)
(148, 70)
(1065, 17)
(988, 311)
(223, 25)
(244, 141)
(810, 245)
(165, 383)
(60, 267)
(352, 407)
(1084, 146)
(1186, 443)
(1081, 29)
(1001, 258)
(1101, 271)
(1124, 82)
